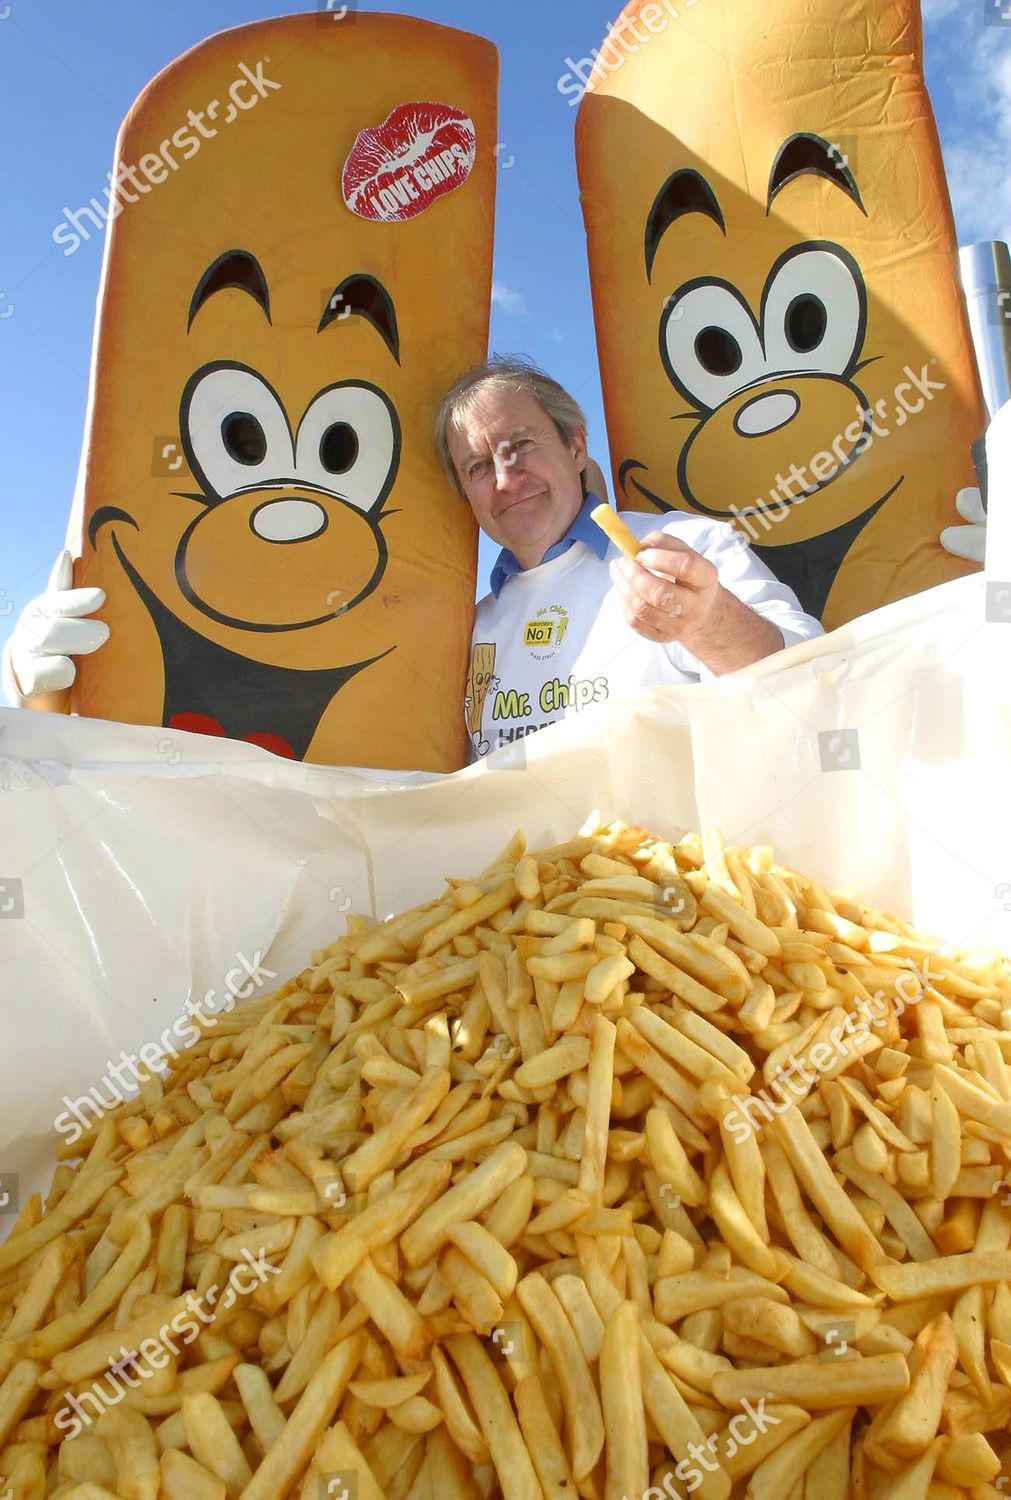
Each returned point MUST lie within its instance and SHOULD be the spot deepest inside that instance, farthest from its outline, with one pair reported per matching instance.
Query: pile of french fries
(512, 1236)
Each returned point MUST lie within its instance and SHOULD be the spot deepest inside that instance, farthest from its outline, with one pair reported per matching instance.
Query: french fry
(488, 1255)
(338, 1453)
(462, 1202)
(465, 1432)
(446, 1460)
(309, 1349)
(292, 1450)
(495, 1414)
(132, 1445)
(622, 1402)
(598, 1109)
(377, 1225)
(582, 1404)
(213, 1443)
(71, 1328)
(616, 530)
(914, 1420)
(968, 1460)
(816, 1387)
(542, 1440)
(794, 1135)
(16, 1395)
(669, 1159)
(739, 1460)
(914, 1482)
(265, 1417)
(182, 1478)
(829, 1477)
(736, 1228)
(778, 1473)
(393, 1314)
(948, 1273)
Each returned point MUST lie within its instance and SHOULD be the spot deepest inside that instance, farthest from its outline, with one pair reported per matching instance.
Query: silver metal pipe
(986, 278)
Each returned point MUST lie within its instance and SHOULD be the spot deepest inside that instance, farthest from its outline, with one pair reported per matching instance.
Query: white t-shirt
(555, 640)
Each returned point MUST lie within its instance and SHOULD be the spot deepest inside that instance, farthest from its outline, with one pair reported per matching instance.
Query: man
(569, 621)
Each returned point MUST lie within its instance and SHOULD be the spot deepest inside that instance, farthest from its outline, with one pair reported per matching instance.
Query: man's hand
(670, 592)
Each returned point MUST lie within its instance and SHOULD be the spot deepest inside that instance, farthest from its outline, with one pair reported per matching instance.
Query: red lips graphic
(399, 168)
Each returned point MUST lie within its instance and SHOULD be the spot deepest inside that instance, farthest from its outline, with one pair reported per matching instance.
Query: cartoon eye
(709, 343)
(236, 430)
(338, 448)
(244, 437)
(348, 442)
(813, 312)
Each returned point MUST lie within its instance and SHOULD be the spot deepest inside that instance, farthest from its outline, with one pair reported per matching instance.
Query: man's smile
(523, 500)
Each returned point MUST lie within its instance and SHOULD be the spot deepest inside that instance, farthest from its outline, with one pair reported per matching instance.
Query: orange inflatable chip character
(280, 314)
(782, 337)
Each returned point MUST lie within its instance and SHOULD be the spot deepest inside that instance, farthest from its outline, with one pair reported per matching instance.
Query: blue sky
(69, 70)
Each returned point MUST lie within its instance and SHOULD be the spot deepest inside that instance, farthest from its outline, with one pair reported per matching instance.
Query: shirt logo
(538, 632)
(544, 634)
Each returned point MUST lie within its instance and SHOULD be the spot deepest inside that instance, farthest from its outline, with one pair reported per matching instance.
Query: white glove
(52, 630)
(967, 541)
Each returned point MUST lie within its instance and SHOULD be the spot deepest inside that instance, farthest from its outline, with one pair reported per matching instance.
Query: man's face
(521, 478)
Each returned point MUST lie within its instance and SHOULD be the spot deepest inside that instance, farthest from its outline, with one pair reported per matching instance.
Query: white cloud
(509, 300)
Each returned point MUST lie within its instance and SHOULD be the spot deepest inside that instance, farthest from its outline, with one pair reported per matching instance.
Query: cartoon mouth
(215, 691)
(808, 568)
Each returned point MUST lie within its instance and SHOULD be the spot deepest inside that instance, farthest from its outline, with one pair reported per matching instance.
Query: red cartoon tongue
(194, 723)
(399, 168)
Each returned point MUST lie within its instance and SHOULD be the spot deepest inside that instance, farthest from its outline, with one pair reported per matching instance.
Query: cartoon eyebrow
(685, 192)
(369, 298)
(803, 153)
(235, 268)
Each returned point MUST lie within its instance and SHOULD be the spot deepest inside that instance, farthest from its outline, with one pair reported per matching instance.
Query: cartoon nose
(767, 412)
(288, 520)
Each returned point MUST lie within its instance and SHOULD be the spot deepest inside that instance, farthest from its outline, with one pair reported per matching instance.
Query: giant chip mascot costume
(279, 316)
(782, 337)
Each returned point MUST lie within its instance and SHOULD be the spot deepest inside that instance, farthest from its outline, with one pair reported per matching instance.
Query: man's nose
(506, 466)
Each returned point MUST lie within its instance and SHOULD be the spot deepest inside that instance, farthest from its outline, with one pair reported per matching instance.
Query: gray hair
(513, 372)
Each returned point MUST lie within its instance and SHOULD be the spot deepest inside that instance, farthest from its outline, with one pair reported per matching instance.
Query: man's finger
(660, 593)
(646, 618)
(681, 563)
(667, 555)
